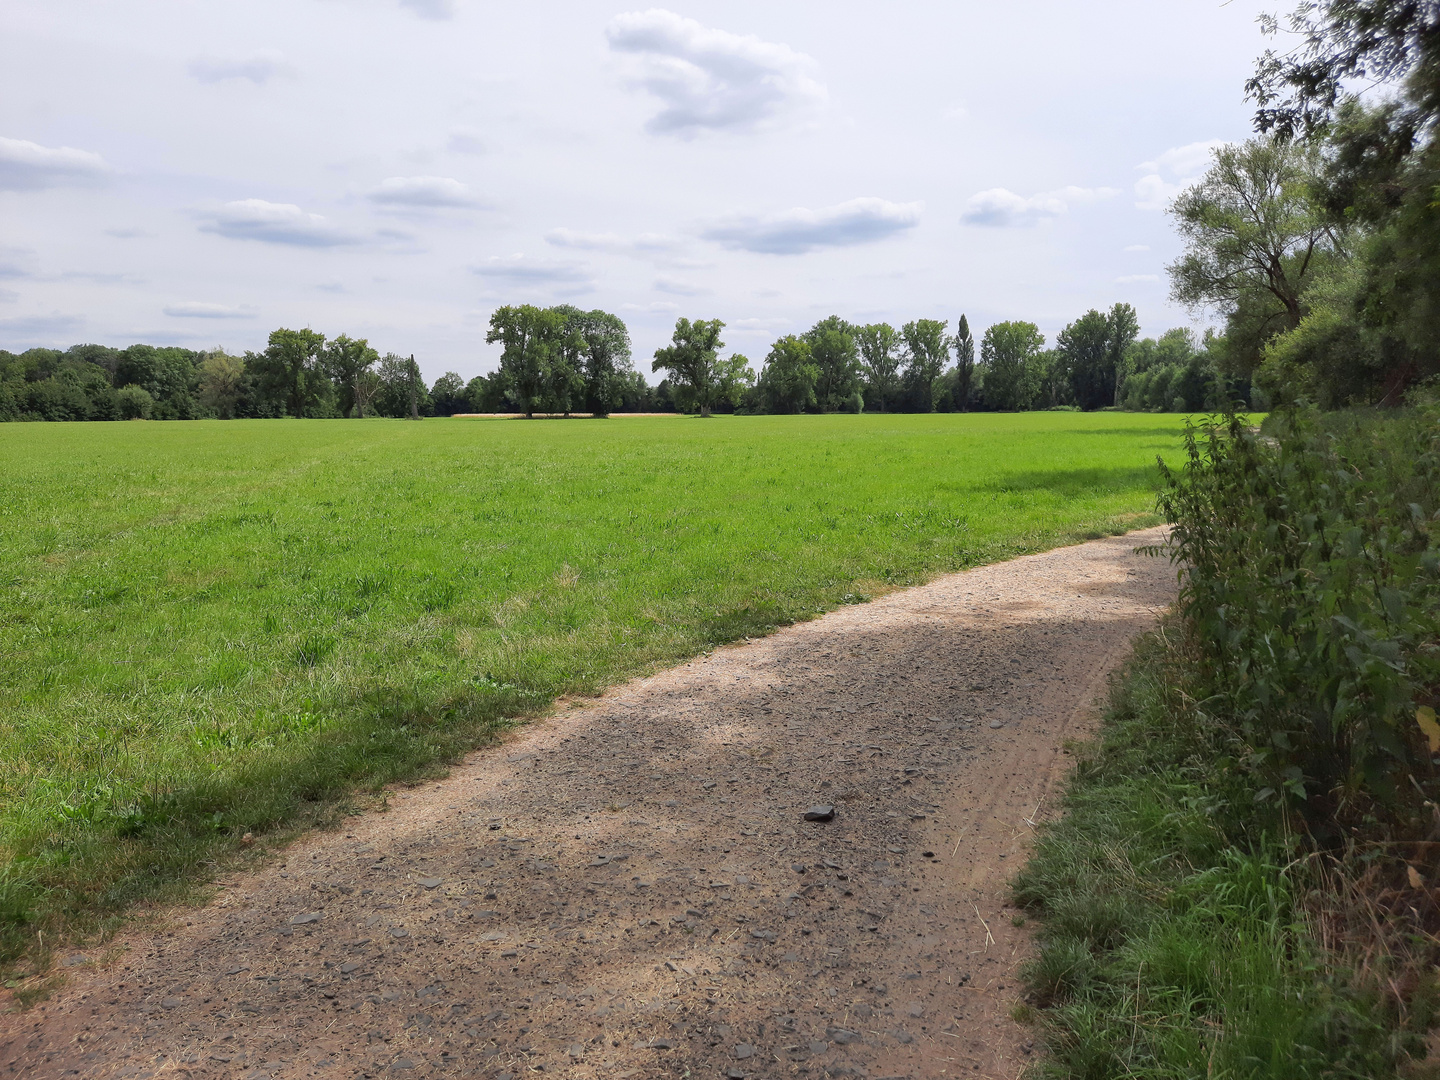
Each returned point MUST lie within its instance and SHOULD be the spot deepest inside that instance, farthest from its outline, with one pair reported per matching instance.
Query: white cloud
(797, 231)
(1002, 208)
(518, 271)
(712, 80)
(23, 331)
(658, 307)
(128, 234)
(1172, 172)
(677, 287)
(28, 166)
(195, 309)
(1136, 279)
(431, 9)
(423, 192)
(274, 223)
(1137, 247)
(464, 141)
(8, 296)
(258, 67)
(646, 245)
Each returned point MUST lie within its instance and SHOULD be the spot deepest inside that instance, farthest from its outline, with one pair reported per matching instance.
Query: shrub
(1310, 595)
(135, 403)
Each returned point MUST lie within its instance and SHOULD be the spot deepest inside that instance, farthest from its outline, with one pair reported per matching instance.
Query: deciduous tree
(926, 354)
(692, 360)
(344, 361)
(1008, 354)
(880, 360)
(788, 379)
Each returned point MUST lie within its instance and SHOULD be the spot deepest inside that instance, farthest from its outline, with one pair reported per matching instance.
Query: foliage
(1311, 595)
(221, 383)
(964, 345)
(702, 380)
(1254, 239)
(347, 362)
(134, 402)
(879, 347)
(1174, 940)
(836, 359)
(1009, 356)
(788, 379)
(927, 351)
(248, 620)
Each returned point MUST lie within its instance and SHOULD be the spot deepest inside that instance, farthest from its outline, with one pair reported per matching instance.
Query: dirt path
(629, 890)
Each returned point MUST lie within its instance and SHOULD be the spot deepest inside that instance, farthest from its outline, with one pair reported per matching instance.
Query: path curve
(628, 889)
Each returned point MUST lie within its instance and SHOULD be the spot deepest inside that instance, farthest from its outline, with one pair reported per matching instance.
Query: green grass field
(213, 628)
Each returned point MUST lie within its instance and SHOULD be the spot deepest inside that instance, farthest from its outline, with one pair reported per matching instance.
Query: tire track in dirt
(628, 889)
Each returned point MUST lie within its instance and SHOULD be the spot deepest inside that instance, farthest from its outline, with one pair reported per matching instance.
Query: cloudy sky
(199, 172)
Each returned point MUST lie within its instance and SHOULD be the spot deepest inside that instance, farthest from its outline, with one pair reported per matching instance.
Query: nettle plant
(1311, 577)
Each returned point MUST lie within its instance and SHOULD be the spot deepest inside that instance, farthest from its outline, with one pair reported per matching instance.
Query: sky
(200, 172)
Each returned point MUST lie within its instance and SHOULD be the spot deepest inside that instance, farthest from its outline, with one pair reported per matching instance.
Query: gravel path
(629, 889)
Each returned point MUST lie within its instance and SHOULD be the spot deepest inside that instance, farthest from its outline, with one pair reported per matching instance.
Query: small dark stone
(428, 882)
(819, 1047)
(308, 917)
(824, 812)
(172, 1003)
(744, 1050)
(799, 868)
(843, 1036)
(928, 854)
(403, 1063)
(996, 724)
(735, 1074)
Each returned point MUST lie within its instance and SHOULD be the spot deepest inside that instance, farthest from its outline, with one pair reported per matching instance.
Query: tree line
(562, 360)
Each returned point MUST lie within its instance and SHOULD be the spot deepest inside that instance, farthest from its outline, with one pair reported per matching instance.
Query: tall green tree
(1009, 355)
(222, 381)
(447, 396)
(529, 338)
(837, 362)
(964, 345)
(789, 377)
(1083, 348)
(880, 360)
(692, 360)
(606, 366)
(1254, 238)
(1124, 329)
(927, 353)
(288, 369)
(345, 361)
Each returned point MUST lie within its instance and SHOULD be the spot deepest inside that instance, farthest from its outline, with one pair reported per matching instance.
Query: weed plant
(217, 628)
(1175, 939)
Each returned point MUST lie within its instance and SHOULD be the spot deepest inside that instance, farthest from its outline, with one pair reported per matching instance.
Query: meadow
(213, 629)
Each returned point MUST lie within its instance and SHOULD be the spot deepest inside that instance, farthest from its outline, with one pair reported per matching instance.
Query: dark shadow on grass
(1073, 483)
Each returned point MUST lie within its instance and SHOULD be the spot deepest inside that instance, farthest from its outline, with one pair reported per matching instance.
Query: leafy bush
(135, 402)
(1310, 593)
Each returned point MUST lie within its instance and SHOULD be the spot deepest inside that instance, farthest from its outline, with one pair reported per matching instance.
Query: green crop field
(213, 628)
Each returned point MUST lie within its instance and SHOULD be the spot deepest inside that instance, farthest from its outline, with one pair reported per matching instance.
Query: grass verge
(1181, 936)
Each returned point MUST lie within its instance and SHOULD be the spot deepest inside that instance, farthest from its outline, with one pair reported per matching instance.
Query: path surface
(628, 889)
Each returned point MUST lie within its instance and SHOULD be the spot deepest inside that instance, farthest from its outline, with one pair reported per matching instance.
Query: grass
(1177, 937)
(210, 629)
